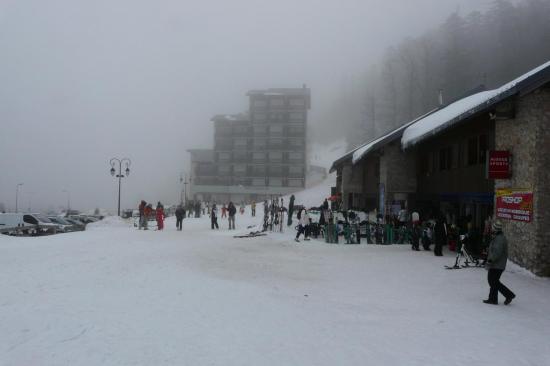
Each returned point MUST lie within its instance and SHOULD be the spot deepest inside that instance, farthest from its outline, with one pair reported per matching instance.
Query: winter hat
(497, 226)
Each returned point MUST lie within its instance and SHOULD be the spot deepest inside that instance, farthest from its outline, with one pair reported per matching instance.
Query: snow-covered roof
(471, 105)
(440, 119)
(361, 151)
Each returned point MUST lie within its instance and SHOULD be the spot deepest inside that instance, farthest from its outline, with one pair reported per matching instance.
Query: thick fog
(84, 81)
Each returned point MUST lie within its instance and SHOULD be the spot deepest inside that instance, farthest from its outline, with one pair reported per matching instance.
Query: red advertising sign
(514, 205)
(499, 164)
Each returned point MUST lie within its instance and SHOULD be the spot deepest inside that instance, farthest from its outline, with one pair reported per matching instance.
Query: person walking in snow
(290, 210)
(160, 216)
(142, 215)
(224, 211)
(147, 213)
(180, 214)
(232, 211)
(253, 208)
(214, 217)
(241, 209)
(440, 231)
(496, 262)
(303, 226)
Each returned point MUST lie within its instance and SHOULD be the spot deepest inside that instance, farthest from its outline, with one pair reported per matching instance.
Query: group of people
(146, 213)
(228, 211)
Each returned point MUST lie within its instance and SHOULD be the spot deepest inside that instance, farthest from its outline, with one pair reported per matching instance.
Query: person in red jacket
(160, 216)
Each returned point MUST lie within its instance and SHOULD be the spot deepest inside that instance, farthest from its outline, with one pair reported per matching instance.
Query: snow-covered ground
(113, 295)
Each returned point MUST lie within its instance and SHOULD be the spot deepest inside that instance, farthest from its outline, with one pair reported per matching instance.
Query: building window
(275, 156)
(239, 170)
(276, 182)
(296, 116)
(277, 102)
(295, 183)
(295, 171)
(224, 156)
(240, 156)
(258, 182)
(260, 117)
(295, 156)
(297, 102)
(258, 170)
(483, 147)
(276, 170)
(276, 143)
(258, 156)
(260, 130)
(260, 144)
(260, 103)
(240, 144)
(224, 170)
(472, 151)
(276, 130)
(445, 158)
(296, 130)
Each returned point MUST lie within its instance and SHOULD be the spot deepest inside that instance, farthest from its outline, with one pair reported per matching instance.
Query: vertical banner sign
(499, 164)
(514, 204)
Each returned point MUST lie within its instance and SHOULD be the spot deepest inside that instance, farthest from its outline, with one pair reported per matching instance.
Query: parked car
(63, 225)
(26, 224)
(78, 225)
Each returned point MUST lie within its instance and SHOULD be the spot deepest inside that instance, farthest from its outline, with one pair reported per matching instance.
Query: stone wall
(527, 137)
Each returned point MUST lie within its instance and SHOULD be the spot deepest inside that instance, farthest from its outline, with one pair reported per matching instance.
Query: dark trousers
(179, 223)
(215, 223)
(304, 230)
(438, 250)
(253, 212)
(493, 277)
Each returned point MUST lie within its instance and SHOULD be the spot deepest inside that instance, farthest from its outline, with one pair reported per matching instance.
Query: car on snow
(63, 225)
(26, 224)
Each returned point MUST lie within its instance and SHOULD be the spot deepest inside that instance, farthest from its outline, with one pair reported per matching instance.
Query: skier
(303, 226)
(231, 210)
(160, 216)
(440, 231)
(142, 215)
(290, 210)
(180, 214)
(496, 261)
(253, 208)
(214, 217)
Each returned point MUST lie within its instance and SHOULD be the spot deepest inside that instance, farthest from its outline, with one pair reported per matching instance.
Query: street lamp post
(113, 162)
(17, 196)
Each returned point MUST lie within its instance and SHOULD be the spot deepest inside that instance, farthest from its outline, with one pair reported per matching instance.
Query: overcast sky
(84, 81)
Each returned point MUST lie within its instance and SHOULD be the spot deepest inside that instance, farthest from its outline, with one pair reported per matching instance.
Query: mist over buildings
(82, 82)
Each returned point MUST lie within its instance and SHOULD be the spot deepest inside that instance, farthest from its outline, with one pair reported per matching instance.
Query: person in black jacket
(231, 211)
(440, 231)
(214, 217)
(496, 263)
(180, 213)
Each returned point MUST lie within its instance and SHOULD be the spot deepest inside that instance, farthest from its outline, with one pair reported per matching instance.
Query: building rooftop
(281, 91)
(244, 117)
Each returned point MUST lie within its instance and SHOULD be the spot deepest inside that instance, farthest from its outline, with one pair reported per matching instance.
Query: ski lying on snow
(250, 235)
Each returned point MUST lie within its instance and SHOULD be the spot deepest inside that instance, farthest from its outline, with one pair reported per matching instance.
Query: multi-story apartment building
(256, 154)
